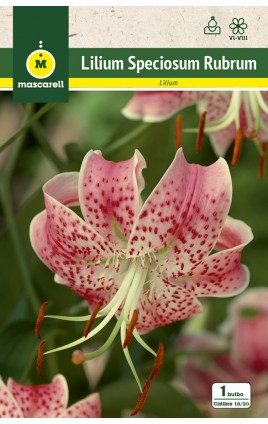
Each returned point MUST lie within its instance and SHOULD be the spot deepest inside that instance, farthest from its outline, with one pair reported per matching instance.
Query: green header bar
(134, 63)
(172, 63)
(40, 54)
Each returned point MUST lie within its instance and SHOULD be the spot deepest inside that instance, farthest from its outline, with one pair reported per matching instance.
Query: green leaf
(18, 349)
(163, 400)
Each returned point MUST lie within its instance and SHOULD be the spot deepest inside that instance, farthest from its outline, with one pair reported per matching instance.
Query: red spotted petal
(221, 274)
(68, 230)
(184, 215)
(9, 408)
(155, 106)
(89, 407)
(43, 401)
(164, 303)
(110, 194)
(59, 231)
(88, 280)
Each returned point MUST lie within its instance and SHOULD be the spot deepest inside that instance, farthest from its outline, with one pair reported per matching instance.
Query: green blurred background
(58, 142)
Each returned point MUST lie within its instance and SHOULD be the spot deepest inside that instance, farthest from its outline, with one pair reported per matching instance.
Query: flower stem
(45, 145)
(11, 220)
(126, 138)
(27, 124)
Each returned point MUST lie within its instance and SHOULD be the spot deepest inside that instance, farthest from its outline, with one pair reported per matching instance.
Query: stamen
(127, 355)
(237, 147)
(95, 311)
(78, 357)
(130, 328)
(40, 358)
(158, 362)
(200, 134)
(92, 333)
(157, 365)
(40, 319)
(142, 398)
(263, 160)
(178, 132)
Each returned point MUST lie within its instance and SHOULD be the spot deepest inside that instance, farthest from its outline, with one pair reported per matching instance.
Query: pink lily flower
(145, 264)
(227, 112)
(199, 372)
(247, 326)
(44, 401)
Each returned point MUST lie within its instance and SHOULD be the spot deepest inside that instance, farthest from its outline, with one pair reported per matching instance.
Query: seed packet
(133, 211)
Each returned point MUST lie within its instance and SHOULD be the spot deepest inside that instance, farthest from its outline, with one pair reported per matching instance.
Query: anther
(178, 132)
(40, 358)
(40, 319)
(95, 311)
(142, 398)
(200, 134)
(78, 357)
(130, 328)
(237, 147)
(158, 362)
(263, 159)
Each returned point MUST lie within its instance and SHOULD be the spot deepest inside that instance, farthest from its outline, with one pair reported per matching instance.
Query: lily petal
(89, 407)
(182, 214)
(166, 302)
(110, 194)
(8, 405)
(222, 140)
(235, 233)
(216, 104)
(249, 326)
(264, 117)
(199, 374)
(221, 274)
(156, 106)
(46, 400)
(67, 228)
(64, 188)
(90, 281)
(62, 228)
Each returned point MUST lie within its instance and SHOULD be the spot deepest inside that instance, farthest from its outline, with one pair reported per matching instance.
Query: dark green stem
(27, 124)
(46, 148)
(126, 138)
(11, 222)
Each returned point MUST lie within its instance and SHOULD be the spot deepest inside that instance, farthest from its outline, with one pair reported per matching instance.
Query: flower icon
(238, 26)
